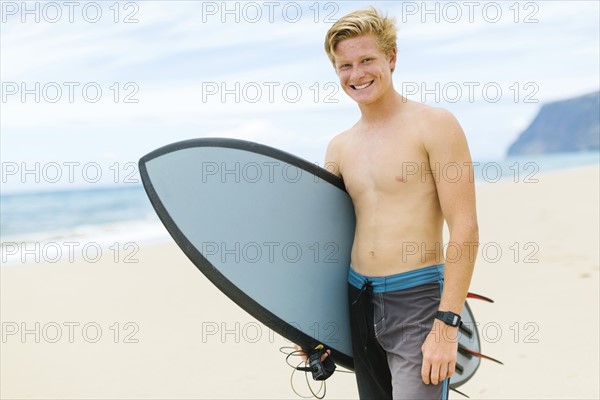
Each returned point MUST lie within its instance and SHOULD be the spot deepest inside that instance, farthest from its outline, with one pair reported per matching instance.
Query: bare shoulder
(339, 140)
(437, 126)
(431, 117)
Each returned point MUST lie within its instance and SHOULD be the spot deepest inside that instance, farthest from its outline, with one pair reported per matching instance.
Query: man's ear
(393, 59)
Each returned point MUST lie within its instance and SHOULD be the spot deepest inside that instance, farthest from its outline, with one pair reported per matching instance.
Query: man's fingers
(301, 353)
(325, 355)
(426, 372)
(451, 369)
(443, 373)
(435, 374)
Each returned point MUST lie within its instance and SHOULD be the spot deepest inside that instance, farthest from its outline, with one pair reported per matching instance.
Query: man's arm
(332, 157)
(449, 158)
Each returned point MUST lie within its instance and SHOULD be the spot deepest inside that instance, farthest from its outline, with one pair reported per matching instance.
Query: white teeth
(363, 86)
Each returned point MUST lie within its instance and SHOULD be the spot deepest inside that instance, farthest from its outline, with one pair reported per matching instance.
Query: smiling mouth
(363, 86)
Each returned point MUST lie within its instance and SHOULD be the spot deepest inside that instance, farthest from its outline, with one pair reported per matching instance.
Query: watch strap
(449, 318)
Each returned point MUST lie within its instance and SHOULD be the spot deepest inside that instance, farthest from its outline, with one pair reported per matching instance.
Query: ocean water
(68, 224)
(530, 168)
(54, 225)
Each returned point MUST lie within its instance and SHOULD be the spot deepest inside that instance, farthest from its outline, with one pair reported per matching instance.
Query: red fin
(478, 355)
(479, 297)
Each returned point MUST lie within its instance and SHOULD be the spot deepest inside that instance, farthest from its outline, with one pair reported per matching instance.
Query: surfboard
(274, 233)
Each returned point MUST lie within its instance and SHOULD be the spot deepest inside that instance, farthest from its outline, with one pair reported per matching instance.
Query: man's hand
(304, 355)
(439, 353)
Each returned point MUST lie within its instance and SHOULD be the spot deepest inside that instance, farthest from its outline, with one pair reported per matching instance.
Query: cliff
(563, 126)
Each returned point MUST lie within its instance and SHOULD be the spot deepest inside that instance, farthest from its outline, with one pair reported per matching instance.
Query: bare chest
(384, 164)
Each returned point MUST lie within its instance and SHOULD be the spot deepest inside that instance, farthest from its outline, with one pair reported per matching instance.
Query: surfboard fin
(479, 297)
(459, 392)
(466, 330)
(459, 368)
(466, 352)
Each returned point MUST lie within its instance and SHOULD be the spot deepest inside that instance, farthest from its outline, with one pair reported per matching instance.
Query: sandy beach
(145, 323)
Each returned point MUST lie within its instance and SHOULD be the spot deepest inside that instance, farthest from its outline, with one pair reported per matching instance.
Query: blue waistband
(404, 280)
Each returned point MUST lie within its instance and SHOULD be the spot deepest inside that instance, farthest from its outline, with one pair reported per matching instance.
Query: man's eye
(367, 60)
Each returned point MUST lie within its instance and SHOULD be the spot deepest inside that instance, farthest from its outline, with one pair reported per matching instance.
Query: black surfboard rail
(238, 296)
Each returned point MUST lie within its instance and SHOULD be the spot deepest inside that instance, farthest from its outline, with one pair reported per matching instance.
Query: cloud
(193, 70)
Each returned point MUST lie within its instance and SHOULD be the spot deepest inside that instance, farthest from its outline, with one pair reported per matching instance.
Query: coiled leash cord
(321, 370)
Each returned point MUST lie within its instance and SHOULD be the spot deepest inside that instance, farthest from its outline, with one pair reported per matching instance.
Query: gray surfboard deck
(273, 232)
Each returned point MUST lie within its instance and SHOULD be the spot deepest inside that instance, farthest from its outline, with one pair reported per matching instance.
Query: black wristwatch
(449, 318)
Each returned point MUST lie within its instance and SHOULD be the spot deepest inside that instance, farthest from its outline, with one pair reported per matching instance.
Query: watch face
(455, 319)
(449, 318)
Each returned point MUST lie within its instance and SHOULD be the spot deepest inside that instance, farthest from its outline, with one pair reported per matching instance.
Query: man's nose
(357, 73)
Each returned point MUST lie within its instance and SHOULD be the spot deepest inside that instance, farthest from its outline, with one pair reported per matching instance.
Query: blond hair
(359, 23)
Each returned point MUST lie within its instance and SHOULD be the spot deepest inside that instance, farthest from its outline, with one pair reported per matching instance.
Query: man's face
(364, 71)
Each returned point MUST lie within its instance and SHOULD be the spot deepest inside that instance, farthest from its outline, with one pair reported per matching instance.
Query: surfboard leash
(298, 367)
(320, 370)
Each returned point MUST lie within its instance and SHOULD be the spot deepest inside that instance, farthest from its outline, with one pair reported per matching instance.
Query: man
(407, 169)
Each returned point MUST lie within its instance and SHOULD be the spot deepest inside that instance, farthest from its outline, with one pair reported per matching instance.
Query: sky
(90, 87)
